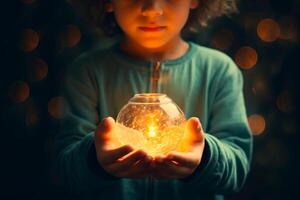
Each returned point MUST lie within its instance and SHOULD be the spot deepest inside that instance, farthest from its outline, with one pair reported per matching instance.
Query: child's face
(152, 23)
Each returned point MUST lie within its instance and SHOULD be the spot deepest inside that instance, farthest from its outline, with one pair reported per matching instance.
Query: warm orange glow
(29, 40)
(246, 57)
(56, 107)
(257, 124)
(70, 36)
(152, 131)
(19, 91)
(222, 39)
(152, 122)
(268, 30)
(38, 69)
(285, 102)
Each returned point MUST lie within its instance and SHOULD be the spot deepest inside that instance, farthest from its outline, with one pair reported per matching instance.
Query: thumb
(104, 128)
(195, 130)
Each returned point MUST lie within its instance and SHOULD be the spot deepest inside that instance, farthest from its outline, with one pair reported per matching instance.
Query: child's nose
(152, 8)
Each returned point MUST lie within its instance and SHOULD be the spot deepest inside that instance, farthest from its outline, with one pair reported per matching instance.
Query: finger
(123, 164)
(195, 129)
(105, 127)
(161, 172)
(183, 159)
(111, 156)
(140, 169)
(170, 170)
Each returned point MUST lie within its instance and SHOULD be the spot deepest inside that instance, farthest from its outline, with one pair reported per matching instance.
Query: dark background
(38, 39)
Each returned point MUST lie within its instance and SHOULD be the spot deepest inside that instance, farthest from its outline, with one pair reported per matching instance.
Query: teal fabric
(204, 82)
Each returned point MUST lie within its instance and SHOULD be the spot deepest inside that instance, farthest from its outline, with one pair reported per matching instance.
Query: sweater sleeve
(75, 160)
(228, 140)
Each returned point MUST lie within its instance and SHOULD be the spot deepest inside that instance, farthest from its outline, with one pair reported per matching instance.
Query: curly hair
(95, 12)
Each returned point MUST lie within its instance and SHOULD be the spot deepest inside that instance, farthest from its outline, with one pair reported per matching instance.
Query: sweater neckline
(130, 59)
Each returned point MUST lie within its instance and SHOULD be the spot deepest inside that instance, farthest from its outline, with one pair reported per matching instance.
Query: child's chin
(152, 44)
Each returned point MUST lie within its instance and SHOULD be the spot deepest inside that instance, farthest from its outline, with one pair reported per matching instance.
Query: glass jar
(152, 122)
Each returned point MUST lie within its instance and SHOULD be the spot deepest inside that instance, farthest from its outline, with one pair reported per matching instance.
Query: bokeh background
(39, 38)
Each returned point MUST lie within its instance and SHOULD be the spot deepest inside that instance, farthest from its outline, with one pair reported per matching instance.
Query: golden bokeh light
(268, 30)
(285, 102)
(70, 36)
(246, 57)
(38, 69)
(222, 39)
(29, 40)
(257, 124)
(57, 107)
(19, 91)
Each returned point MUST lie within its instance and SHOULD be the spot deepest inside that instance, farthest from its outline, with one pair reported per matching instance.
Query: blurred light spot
(289, 28)
(57, 107)
(246, 57)
(70, 36)
(259, 87)
(268, 30)
(32, 116)
(28, 1)
(257, 124)
(222, 39)
(19, 91)
(29, 40)
(285, 102)
(38, 69)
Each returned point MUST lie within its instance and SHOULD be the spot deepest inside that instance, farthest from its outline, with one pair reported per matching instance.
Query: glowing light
(38, 69)
(152, 131)
(71, 36)
(268, 30)
(57, 107)
(29, 40)
(152, 122)
(246, 57)
(257, 124)
(19, 91)
(222, 39)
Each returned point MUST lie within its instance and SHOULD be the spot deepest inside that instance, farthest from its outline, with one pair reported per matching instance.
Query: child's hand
(120, 161)
(182, 162)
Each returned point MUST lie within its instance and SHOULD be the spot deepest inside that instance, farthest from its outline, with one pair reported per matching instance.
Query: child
(153, 56)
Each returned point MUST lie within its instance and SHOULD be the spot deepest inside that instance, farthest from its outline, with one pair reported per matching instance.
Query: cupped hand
(119, 161)
(182, 162)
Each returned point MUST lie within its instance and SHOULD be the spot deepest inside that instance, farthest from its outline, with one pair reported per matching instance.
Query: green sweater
(204, 83)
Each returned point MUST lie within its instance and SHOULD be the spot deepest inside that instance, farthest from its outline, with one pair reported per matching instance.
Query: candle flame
(152, 132)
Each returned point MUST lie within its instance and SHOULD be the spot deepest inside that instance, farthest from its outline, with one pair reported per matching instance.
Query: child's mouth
(152, 29)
